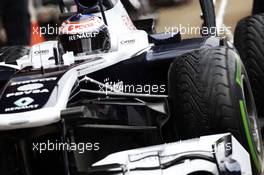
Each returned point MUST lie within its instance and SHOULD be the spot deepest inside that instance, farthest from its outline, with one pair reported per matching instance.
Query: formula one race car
(104, 87)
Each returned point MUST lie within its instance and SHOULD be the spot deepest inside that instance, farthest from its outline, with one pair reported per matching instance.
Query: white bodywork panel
(46, 115)
(145, 157)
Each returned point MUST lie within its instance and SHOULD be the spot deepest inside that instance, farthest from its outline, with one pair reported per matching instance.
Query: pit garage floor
(189, 14)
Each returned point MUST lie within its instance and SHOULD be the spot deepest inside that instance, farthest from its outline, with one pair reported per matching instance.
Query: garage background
(190, 14)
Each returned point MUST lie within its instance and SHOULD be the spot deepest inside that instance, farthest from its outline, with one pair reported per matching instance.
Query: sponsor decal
(80, 27)
(84, 24)
(22, 103)
(34, 81)
(37, 91)
(83, 35)
(127, 42)
(29, 87)
(38, 52)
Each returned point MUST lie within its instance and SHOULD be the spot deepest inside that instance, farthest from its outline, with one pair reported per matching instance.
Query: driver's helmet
(84, 34)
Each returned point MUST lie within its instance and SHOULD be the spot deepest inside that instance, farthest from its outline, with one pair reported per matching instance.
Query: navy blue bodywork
(152, 67)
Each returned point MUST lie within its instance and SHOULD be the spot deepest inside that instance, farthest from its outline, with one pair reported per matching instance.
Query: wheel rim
(252, 116)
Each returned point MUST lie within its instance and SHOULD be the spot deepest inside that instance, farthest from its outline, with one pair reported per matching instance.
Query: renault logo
(24, 102)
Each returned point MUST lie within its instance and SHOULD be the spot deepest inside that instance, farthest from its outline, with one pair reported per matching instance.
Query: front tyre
(210, 94)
